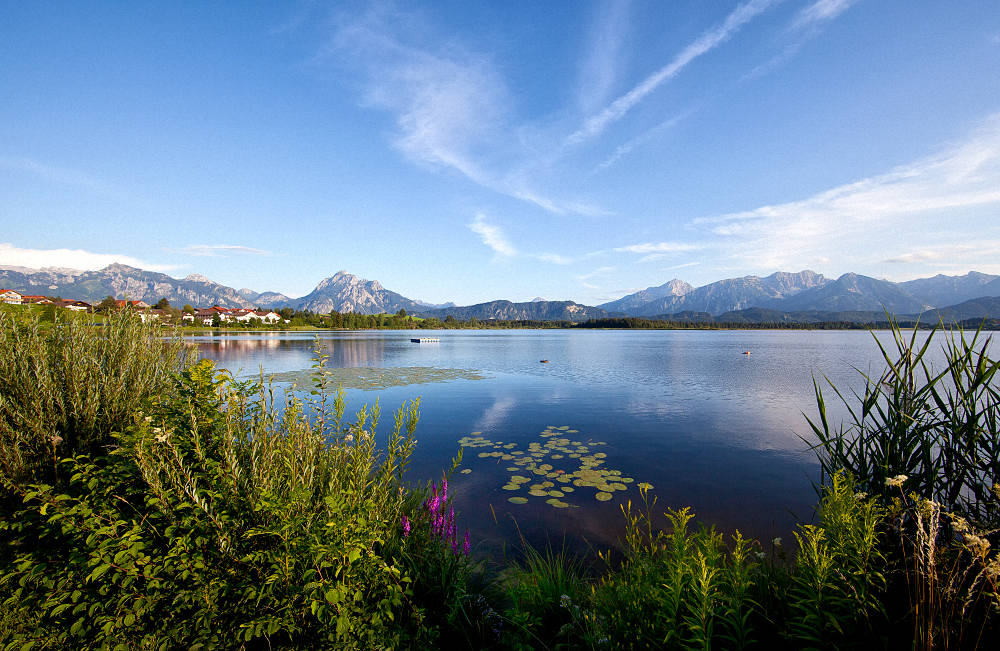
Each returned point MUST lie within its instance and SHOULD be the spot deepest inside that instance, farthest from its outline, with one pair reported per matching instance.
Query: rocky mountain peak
(119, 268)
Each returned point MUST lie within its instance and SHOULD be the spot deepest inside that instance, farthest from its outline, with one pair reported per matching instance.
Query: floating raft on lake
(426, 340)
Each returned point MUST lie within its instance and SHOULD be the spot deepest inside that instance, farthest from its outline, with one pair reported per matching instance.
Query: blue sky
(471, 151)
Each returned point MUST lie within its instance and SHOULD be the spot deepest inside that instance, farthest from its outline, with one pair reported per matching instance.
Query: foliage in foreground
(688, 590)
(225, 516)
(65, 388)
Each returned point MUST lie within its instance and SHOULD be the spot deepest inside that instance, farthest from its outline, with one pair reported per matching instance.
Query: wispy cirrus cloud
(743, 14)
(493, 237)
(219, 250)
(454, 110)
(821, 10)
(78, 259)
(916, 256)
(806, 24)
(933, 209)
(60, 175)
(660, 247)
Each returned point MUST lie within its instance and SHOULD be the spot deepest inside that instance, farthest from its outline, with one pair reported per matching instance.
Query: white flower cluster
(896, 482)
(978, 545)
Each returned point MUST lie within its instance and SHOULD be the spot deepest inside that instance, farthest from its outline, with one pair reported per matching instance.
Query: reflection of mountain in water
(356, 352)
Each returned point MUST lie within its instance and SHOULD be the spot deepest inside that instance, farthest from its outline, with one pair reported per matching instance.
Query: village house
(244, 316)
(204, 315)
(11, 297)
(76, 306)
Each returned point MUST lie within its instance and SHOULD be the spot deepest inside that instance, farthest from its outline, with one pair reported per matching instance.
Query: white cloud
(916, 256)
(706, 42)
(600, 271)
(60, 175)
(70, 259)
(554, 258)
(937, 205)
(600, 67)
(217, 250)
(821, 10)
(623, 150)
(493, 237)
(661, 247)
(449, 102)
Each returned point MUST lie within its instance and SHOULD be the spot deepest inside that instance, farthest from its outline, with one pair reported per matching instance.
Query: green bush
(225, 518)
(65, 388)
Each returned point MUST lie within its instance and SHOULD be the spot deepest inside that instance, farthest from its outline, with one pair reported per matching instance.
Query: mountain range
(122, 281)
(804, 296)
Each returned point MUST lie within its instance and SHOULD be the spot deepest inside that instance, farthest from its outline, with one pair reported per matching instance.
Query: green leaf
(99, 572)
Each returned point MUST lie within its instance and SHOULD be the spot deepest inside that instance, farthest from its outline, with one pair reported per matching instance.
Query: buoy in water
(746, 352)
(545, 361)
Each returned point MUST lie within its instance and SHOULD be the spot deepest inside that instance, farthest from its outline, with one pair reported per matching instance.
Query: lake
(707, 426)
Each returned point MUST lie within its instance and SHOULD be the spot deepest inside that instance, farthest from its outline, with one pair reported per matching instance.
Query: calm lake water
(685, 411)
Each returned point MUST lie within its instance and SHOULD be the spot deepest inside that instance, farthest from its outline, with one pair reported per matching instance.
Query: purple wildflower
(467, 546)
(406, 526)
(444, 490)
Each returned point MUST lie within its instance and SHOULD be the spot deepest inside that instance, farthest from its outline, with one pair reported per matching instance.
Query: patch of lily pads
(554, 468)
(369, 378)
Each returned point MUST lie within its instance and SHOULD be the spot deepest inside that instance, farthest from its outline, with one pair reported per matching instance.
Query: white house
(11, 297)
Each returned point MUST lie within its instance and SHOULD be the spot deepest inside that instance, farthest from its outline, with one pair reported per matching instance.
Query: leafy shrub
(65, 388)
(226, 518)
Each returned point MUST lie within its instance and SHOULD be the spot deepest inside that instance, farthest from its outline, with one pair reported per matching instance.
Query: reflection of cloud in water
(496, 415)
(660, 409)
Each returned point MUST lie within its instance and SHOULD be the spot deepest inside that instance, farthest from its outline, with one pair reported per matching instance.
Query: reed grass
(938, 427)
(65, 387)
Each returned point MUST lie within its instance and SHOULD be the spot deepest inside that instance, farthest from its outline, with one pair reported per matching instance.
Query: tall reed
(936, 426)
(65, 387)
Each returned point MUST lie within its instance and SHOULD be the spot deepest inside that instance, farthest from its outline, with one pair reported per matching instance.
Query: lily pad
(373, 378)
(556, 494)
(538, 493)
(517, 500)
(467, 471)
(603, 497)
(511, 487)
